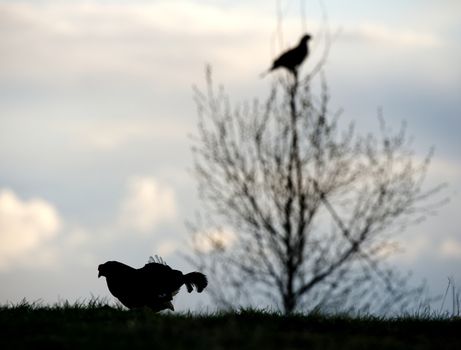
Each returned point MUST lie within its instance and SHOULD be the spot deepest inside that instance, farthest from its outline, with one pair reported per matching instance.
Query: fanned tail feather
(157, 260)
(195, 279)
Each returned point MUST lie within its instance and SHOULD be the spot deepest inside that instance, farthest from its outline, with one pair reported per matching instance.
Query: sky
(96, 113)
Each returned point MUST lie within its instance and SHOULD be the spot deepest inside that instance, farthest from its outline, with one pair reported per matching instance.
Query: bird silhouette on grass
(154, 285)
(292, 59)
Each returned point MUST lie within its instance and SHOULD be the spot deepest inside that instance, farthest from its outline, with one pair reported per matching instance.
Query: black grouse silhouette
(153, 285)
(293, 58)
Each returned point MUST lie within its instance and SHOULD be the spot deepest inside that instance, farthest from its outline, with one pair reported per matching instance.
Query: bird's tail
(195, 279)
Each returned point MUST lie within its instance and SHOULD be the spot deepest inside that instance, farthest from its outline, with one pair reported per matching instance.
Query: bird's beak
(99, 274)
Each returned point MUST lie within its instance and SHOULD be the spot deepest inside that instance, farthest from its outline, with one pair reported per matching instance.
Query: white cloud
(139, 41)
(74, 19)
(77, 237)
(209, 240)
(112, 138)
(25, 225)
(110, 135)
(380, 34)
(412, 248)
(450, 248)
(146, 204)
(444, 170)
(166, 248)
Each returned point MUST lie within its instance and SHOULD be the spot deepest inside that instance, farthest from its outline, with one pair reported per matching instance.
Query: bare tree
(310, 205)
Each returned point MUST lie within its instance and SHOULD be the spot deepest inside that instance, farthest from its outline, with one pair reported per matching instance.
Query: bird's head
(102, 270)
(109, 268)
(306, 38)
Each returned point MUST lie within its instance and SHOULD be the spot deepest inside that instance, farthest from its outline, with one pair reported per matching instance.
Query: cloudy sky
(96, 107)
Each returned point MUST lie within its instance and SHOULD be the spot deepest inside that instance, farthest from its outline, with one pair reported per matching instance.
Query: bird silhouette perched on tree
(292, 58)
(154, 285)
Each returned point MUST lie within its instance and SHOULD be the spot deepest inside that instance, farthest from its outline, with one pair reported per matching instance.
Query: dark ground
(101, 327)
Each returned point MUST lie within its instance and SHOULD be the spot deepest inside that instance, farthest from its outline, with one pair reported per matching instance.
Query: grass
(96, 325)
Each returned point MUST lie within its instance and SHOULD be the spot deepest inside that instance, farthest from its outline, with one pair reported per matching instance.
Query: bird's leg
(294, 87)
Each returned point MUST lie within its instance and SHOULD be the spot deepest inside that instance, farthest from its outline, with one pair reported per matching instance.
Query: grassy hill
(96, 326)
